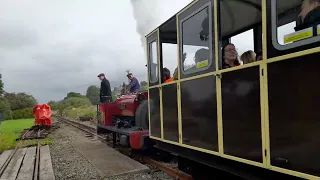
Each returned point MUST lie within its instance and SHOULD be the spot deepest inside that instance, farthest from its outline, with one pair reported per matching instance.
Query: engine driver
(105, 90)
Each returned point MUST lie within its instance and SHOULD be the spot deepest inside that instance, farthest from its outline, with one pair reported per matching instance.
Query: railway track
(8, 167)
(172, 171)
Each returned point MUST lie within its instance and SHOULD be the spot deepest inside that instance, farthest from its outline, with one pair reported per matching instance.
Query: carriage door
(197, 77)
(240, 82)
(168, 87)
(154, 92)
(293, 55)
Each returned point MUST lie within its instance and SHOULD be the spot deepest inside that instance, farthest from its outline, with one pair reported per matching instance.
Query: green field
(11, 130)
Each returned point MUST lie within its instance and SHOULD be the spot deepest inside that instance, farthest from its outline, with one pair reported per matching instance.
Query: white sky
(49, 48)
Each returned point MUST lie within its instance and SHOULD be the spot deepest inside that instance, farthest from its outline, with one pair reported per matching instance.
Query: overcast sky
(49, 48)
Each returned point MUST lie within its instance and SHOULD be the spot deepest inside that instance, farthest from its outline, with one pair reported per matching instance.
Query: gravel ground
(90, 123)
(143, 176)
(69, 164)
(154, 174)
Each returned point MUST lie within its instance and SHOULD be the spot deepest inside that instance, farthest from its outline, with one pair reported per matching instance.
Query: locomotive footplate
(135, 138)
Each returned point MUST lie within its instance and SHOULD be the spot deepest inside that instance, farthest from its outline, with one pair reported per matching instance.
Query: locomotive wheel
(141, 117)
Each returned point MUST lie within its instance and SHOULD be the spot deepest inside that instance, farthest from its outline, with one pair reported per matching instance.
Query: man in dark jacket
(134, 85)
(105, 90)
(310, 14)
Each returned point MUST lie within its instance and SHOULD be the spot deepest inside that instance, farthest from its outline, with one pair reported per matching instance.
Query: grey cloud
(12, 36)
(49, 48)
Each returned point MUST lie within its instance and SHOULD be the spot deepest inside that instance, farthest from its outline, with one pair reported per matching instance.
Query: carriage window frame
(150, 51)
(274, 27)
(210, 40)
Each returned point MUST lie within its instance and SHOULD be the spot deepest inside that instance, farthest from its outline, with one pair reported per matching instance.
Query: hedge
(5, 109)
(22, 113)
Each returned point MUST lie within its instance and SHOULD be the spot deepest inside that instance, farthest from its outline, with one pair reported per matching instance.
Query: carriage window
(196, 48)
(153, 63)
(243, 42)
(237, 22)
(284, 30)
(169, 56)
(288, 33)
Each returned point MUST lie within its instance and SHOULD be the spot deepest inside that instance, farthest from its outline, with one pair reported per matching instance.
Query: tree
(1, 86)
(144, 83)
(53, 105)
(61, 108)
(23, 113)
(73, 102)
(5, 109)
(76, 102)
(93, 94)
(20, 101)
(73, 94)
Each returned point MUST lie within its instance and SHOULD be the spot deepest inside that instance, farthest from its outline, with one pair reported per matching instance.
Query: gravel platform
(69, 164)
(145, 176)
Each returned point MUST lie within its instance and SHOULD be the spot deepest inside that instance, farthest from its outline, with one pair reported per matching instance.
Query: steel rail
(37, 163)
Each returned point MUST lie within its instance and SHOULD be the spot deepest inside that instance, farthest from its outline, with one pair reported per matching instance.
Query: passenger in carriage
(259, 56)
(229, 56)
(310, 14)
(201, 55)
(248, 57)
(166, 76)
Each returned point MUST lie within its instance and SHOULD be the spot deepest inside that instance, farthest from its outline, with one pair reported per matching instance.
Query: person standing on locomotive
(105, 89)
(309, 15)
(134, 85)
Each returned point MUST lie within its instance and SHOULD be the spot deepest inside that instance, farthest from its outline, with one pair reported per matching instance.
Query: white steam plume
(147, 16)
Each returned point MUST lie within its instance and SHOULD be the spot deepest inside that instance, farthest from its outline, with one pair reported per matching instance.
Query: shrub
(5, 109)
(76, 102)
(22, 113)
(20, 101)
(53, 105)
(75, 113)
(89, 112)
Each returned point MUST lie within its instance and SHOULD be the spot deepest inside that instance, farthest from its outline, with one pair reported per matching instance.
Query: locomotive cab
(255, 119)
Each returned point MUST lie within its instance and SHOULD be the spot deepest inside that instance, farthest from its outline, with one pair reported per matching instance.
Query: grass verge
(11, 130)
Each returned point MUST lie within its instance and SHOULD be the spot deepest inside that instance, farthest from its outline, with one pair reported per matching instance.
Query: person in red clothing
(166, 76)
(229, 56)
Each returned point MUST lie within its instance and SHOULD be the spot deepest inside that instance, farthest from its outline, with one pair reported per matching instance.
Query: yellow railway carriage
(255, 120)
